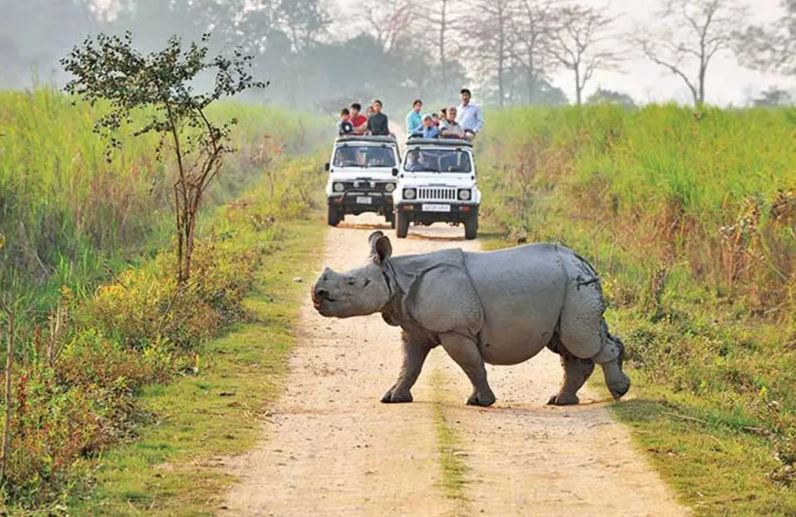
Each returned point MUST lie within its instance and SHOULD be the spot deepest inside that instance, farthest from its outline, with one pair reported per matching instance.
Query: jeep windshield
(437, 160)
(364, 156)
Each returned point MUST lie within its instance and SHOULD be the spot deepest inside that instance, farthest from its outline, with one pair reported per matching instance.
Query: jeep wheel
(471, 227)
(390, 218)
(401, 225)
(333, 216)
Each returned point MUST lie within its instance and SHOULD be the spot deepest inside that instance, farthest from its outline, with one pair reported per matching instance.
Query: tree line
(318, 54)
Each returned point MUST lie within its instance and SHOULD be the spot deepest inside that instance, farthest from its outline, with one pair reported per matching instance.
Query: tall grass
(690, 218)
(76, 380)
(712, 193)
(67, 214)
(85, 257)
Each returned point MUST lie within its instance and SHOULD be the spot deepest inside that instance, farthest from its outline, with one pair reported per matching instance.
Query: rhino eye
(367, 281)
(352, 281)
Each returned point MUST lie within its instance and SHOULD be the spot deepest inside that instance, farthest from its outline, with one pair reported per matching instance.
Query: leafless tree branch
(691, 34)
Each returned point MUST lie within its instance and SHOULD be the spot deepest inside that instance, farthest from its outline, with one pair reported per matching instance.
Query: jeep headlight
(409, 193)
(464, 194)
(338, 187)
(389, 187)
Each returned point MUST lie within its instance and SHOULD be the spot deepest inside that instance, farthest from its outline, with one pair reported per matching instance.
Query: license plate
(364, 200)
(436, 208)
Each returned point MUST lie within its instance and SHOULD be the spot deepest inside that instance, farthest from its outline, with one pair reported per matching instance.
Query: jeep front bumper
(438, 211)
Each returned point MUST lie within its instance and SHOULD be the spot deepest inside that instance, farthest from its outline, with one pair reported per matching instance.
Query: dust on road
(330, 447)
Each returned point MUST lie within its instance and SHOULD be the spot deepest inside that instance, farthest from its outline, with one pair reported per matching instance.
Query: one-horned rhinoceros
(501, 307)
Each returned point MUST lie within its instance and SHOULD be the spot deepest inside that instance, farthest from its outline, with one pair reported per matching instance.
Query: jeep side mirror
(395, 171)
(327, 166)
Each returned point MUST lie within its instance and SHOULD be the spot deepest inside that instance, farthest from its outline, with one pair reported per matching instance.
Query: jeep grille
(436, 194)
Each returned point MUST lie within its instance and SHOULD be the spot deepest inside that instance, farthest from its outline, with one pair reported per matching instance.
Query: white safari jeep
(437, 183)
(362, 177)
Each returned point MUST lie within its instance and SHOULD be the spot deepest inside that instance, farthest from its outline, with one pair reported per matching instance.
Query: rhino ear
(380, 247)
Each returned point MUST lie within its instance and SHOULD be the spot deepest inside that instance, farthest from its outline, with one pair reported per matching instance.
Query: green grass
(688, 218)
(454, 469)
(716, 466)
(124, 329)
(67, 216)
(172, 468)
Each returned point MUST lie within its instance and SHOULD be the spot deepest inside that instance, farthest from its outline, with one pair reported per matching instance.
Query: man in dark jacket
(378, 124)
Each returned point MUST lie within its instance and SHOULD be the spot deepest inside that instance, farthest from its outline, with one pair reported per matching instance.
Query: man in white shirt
(469, 115)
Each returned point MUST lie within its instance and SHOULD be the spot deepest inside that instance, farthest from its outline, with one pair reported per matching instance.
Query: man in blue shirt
(413, 119)
(469, 115)
(427, 129)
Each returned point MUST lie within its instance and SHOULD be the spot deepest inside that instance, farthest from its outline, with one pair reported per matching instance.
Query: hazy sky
(728, 82)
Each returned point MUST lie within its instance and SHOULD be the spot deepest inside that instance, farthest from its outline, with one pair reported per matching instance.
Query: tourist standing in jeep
(414, 120)
(469, 115)
(358, 120)
(378, 123)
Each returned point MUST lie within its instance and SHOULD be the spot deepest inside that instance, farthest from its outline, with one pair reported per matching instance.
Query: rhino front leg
(466, 354)
(415, 352)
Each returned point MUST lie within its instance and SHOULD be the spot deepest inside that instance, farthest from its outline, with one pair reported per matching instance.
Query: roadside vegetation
(454, 468)
(177, 462)
(690, 218)
(87, 268)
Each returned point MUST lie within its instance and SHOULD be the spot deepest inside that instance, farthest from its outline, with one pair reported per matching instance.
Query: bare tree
(441, 20)
(488, 29)
(579, 44)
(691, 33)
(532, 31)
(773, 47)
(390, 21)
(303, 20)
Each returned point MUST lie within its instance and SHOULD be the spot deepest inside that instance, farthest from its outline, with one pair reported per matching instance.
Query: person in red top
(358, 120)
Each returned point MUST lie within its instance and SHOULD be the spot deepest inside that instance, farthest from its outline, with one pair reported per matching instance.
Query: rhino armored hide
(501, 307)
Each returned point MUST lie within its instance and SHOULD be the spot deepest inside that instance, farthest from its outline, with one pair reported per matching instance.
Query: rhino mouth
(317, 303)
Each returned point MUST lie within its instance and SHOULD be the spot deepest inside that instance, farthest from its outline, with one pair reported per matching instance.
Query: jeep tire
(401, 224)
(471, 227)
(333, 216)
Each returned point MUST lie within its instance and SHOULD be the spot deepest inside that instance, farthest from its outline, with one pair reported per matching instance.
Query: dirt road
(330, 448)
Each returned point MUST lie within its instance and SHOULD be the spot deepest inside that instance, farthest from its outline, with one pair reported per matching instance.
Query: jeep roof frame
(440, 142)
(366, 139)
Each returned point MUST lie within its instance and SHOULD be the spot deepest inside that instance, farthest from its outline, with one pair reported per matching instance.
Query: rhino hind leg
(576, 372)
(584, 333)
(611, 357)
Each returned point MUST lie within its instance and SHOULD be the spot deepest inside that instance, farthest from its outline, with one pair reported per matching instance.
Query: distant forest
(321, 54)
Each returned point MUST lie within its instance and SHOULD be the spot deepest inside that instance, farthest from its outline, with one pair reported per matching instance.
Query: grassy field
(67, 215)
(102, 327)
(690, 219)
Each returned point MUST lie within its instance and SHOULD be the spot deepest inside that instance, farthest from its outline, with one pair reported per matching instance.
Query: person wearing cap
(428, 129)
(469, 115)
